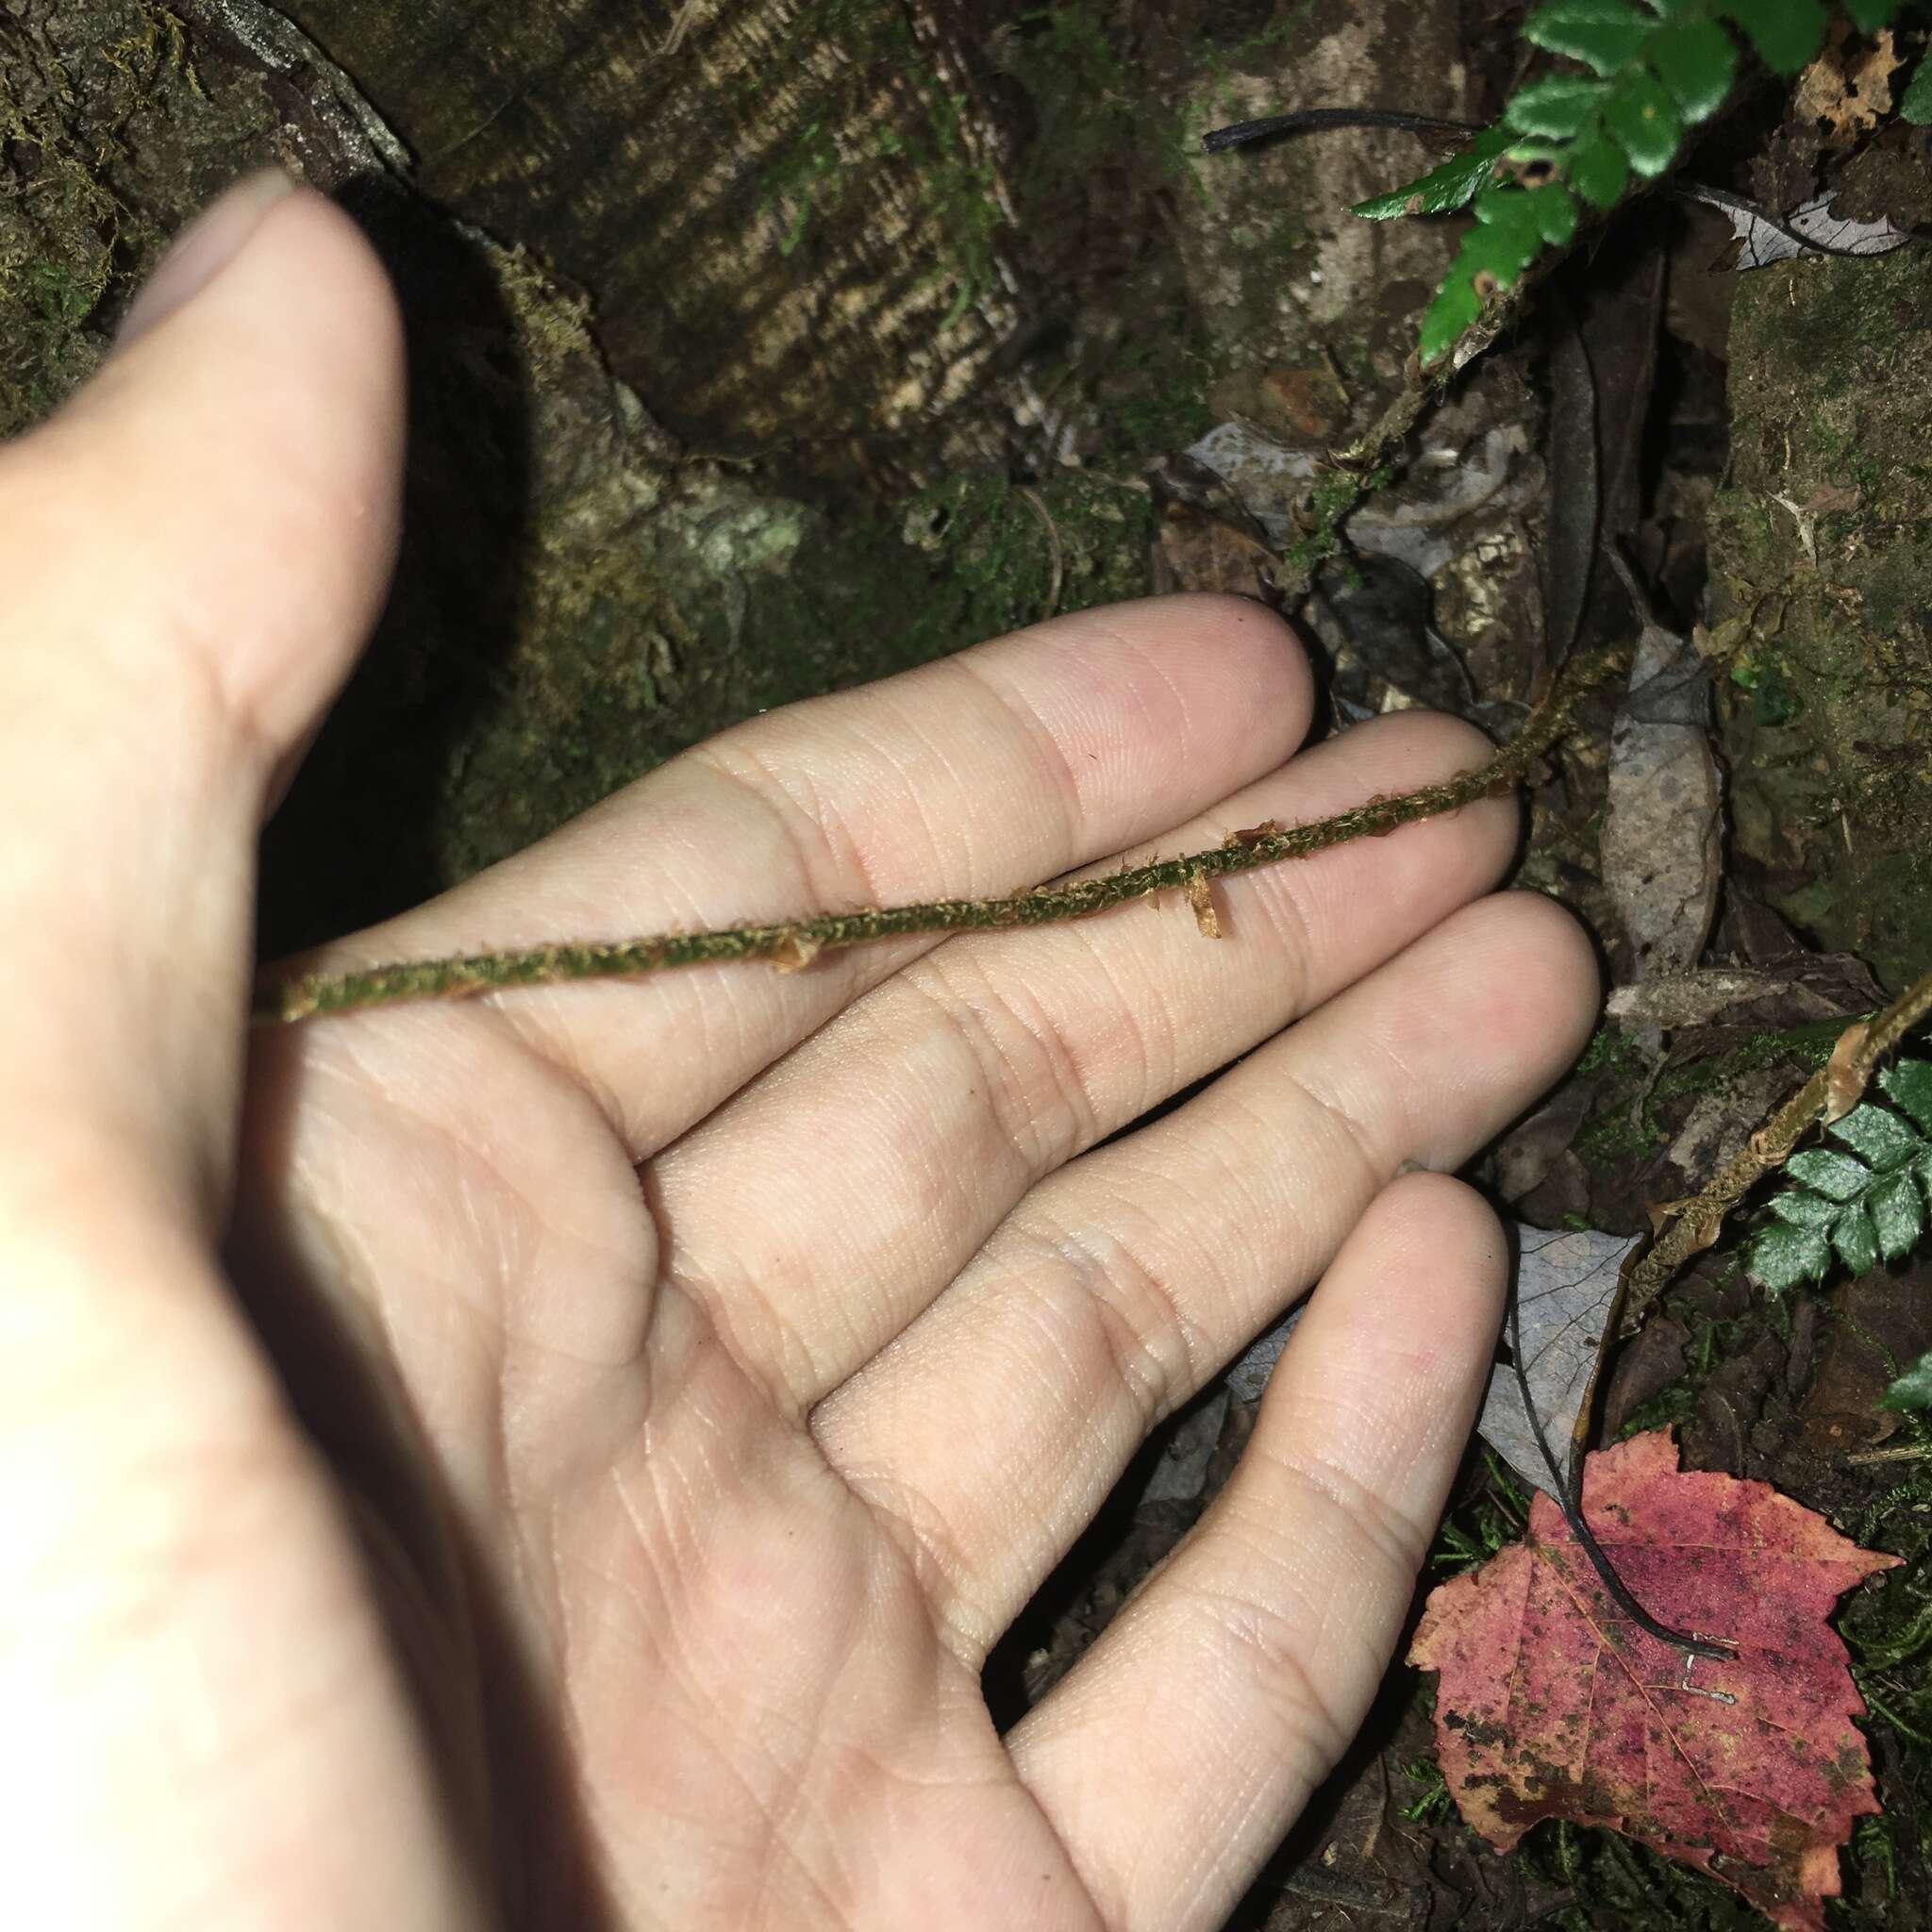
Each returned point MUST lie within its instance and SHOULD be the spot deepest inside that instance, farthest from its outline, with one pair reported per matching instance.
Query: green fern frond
(1443, 189)
(1916, 106)
(1858, 1206)
(1913, 1390)
(1656, 69)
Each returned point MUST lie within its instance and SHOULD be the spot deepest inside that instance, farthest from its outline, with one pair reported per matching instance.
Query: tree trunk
(791, 212)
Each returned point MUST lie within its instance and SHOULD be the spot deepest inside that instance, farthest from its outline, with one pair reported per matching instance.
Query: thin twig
(794, 943)
(1060, 561)
(1899, 1452)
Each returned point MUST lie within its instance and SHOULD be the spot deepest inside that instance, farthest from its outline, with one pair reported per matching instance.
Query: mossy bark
(1822, 559)
(791, 211)
(111, 135)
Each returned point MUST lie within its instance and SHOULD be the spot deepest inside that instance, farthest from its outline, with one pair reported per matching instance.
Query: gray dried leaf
(1265, 475)
(1679, 694)
(1764, 238)
(1249, 1377)
(1672, 999)
(1564, 1285)
(1722, 1120)
(1181, 1473)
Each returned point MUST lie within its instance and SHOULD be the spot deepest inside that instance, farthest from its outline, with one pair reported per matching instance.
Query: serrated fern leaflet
(1861, 1201)
(1577, 140)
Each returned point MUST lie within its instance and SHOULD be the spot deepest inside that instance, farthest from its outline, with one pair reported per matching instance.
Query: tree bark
(790, 209)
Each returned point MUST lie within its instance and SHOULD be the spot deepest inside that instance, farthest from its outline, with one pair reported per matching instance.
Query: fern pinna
(1656, 69)
(1859, 1201)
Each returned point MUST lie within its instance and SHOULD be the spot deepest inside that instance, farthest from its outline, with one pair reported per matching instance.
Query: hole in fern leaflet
(1533, 170)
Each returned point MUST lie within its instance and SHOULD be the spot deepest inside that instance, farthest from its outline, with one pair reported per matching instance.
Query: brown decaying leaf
(1202, 552)
(1843, 91)
(1553, 1705)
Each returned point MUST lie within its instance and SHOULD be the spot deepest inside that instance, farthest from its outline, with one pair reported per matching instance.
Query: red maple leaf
(1551, 1704)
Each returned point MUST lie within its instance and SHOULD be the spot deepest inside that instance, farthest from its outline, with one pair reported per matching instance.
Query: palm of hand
(705, 1372)
(693, 1650)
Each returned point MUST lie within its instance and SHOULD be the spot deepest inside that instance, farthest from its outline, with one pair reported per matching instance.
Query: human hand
(562, 1459)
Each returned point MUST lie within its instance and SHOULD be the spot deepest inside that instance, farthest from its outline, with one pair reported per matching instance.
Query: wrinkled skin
(562, 1459)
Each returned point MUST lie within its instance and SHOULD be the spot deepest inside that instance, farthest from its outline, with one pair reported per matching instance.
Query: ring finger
(1227, 1689)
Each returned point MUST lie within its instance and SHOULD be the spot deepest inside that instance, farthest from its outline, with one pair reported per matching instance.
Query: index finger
(974, 776)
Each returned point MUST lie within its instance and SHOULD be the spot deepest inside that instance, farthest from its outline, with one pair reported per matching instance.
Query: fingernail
(202, 250)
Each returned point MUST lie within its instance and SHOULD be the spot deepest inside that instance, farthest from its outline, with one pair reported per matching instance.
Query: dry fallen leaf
(1761, 236)
(1565, 1282)
(1660, 850)
(1202, 552)
(1848, 87)
(1553, 1705)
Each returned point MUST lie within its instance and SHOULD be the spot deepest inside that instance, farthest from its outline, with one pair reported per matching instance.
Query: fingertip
(201, 251)
(1556, 984)
(1451, 742)
(1152, 708)
(1414, 1297)
(245, 438)
(1224, 617)
(270, 270)
(1418, 749)
(1228, 663)
(1438, 746)
(1512, 977)
(1420, 1206)
(1432, 1227)
(1395, 890)
(1257, 645)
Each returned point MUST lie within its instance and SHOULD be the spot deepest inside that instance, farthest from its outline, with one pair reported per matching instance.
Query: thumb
(191, 1657)
(193, 551)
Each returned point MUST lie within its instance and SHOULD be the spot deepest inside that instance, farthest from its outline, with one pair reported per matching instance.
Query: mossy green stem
(794, 943)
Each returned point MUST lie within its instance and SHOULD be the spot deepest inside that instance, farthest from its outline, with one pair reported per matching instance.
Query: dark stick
(1241, 132)
(1568, 1497)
